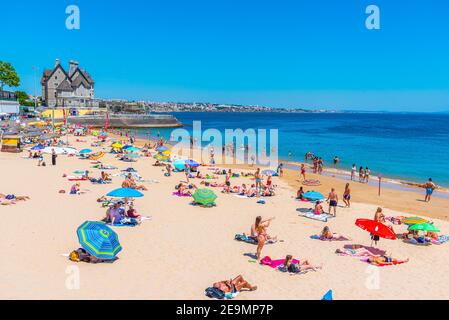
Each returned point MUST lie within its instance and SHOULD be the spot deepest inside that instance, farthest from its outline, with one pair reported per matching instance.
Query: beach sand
(183, 249)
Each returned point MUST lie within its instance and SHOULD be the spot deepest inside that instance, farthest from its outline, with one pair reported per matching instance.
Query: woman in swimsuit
(384, 260)
(259, 230)
(318, 208)
(234, 285)
(347, 196)
(300, 193)
(297, 267)
(258, 181)
(303, 171)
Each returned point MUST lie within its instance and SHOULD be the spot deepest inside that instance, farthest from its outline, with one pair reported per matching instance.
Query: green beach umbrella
(414, 220)
(424, 227)
(206, 197)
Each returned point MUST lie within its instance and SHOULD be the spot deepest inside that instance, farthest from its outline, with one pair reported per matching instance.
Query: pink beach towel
(274, 263)
(181, 194)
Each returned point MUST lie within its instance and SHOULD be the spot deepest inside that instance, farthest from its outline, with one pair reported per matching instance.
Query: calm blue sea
(406, 146)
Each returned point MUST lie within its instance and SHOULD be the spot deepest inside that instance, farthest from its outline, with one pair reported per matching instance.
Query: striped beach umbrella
(424, 227)
(205, 197)
(414, 220)
(99, 240)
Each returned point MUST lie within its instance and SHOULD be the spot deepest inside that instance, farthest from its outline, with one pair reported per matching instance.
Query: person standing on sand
(361, 174)
(347, 196)
(303, 172)
(53, 157)
(354, 168)
(430, 187)
(260, 230)
(367, 173)
(320, 166)
(258, 181)
(333, 201)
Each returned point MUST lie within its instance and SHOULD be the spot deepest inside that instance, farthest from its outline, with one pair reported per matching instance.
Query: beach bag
(74, 256)
(214, 293)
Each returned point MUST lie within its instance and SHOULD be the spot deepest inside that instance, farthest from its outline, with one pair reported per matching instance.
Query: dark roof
(64, 86)
(81, 80)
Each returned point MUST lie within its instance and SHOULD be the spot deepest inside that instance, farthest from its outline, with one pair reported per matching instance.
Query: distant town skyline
(298, 54)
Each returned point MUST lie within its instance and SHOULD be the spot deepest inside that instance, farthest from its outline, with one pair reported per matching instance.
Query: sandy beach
(183, 249)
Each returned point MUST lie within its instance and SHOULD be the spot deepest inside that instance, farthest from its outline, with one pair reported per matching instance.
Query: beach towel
(216, 293)
(266, 261)
(74, 178)
(318, 237)
(243, 237)
(441, 239)
(320, 217)
(395, 262)
(177, 194)
(419, 242)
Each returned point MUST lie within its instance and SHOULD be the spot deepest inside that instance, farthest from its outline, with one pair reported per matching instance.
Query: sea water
(407, 146)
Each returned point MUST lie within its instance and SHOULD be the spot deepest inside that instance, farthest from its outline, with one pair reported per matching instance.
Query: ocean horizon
(406, 146)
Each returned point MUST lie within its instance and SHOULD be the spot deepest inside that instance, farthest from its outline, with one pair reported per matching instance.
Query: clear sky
(292, 53)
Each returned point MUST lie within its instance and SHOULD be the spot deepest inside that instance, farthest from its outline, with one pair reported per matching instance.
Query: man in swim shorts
(333, 201)
(429, 186)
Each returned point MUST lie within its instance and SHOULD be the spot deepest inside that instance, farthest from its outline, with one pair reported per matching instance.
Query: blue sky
(292, 53)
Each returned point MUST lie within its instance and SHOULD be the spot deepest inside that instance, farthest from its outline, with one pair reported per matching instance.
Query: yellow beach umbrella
(117, 145)
(166, 153)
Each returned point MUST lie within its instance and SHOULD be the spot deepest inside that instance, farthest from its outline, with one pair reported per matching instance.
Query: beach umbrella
(376, 228)
(133, 155)
(38, 147)
(205, 197)
(269, 172)
(117, 145)
(161, 157)
(166, 152)
(192, 163)
(99, 240)
(85, 151)
(313, 195)
(131, 148)
(161, 149)
(179, 164)
(424, 227)
(125, 193)
(414, 220)
(328, 296)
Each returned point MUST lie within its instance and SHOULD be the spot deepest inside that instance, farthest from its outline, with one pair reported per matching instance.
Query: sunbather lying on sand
(384, 260)
(327, 234)
(302, 265)
(234, 285)
(12, 197)
(81, 255)
(355, 251)
(130, 183)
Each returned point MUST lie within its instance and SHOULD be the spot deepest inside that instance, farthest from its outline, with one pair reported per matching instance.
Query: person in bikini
(347, 196)
(259, 232)
(303, 172)
(301, 266)
(234, 285)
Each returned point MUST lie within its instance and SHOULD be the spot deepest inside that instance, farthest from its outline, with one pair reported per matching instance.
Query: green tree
(23, 98)
(8, 75)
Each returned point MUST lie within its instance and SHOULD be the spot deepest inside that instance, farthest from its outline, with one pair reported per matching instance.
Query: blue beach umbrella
(161, 149)
(313, 195)
(179, 164)
(131, 148)
(328, 296)
(99, 240)
(85, 151)
(192, 163)
(125, 193)
(38, 147)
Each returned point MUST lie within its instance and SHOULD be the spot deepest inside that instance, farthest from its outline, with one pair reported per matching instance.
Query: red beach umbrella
(376, 228)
